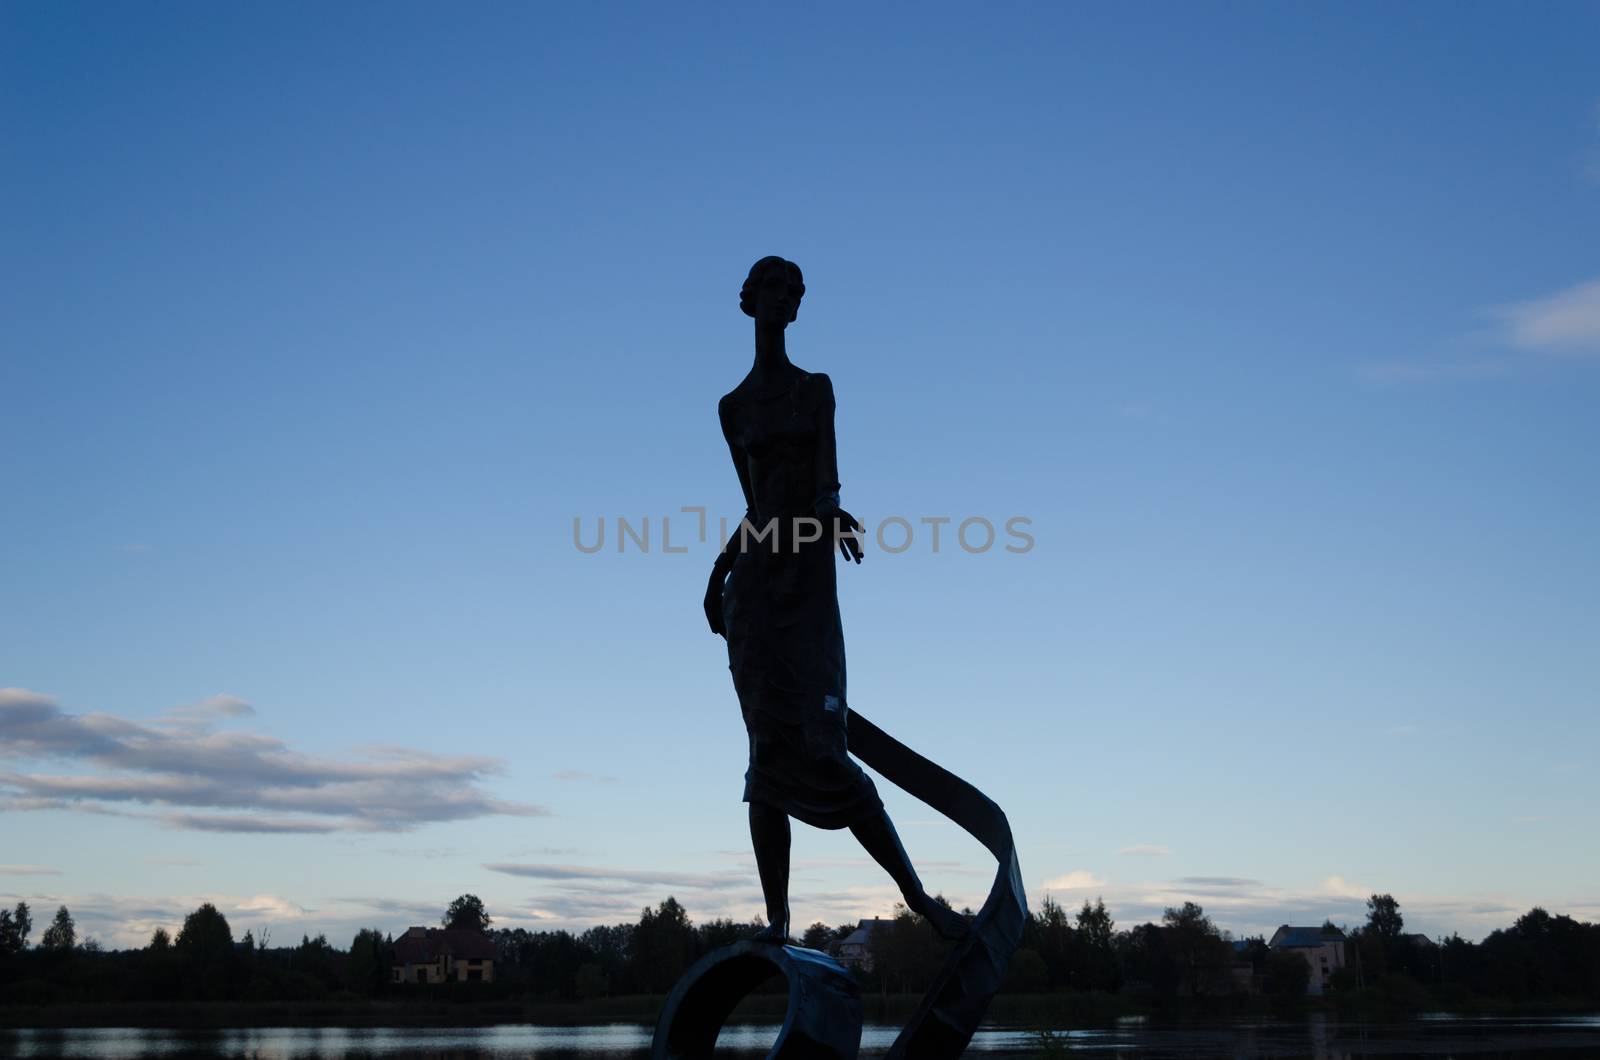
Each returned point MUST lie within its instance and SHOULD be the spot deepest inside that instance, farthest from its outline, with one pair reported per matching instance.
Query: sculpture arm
(825, 500)
(825, 496)
(741, 466)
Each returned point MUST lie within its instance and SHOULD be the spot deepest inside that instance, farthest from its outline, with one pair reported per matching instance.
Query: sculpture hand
(713, 603)
(847, 531)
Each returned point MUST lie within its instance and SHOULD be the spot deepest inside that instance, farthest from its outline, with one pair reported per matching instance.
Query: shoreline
(1056, 1010)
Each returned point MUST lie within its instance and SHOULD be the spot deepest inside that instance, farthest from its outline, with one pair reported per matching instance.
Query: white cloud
(1076, 880)
(270, 905)
(1564, 323)
(219, 781)
(28, 870)
(1341, 888)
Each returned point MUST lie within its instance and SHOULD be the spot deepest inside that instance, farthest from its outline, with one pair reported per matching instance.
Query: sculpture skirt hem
(805, 769)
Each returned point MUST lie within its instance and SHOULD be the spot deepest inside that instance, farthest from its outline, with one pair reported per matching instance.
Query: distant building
(1324, 948)
(438, 955)
(855, 949)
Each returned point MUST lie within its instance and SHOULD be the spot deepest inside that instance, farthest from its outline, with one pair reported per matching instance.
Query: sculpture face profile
(772, 595)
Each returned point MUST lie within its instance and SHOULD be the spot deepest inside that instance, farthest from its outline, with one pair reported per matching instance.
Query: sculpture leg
(769, 835)
(878, 836)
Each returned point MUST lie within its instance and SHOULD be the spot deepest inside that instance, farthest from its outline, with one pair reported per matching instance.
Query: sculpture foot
(775, 934)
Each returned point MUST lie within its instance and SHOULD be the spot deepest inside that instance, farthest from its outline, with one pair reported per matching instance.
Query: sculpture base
(823, 1021)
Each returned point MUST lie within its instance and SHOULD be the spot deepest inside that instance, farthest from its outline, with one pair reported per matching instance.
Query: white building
(1324, 948)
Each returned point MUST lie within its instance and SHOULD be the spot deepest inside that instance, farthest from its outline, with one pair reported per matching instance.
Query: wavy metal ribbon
(954, 1006)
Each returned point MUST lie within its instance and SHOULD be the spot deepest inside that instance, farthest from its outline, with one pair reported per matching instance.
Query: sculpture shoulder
(820, 387)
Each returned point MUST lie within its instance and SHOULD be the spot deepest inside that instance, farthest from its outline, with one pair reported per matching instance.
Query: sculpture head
(772, 292)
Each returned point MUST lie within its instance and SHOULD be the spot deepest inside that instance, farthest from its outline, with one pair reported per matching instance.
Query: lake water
(1523, 1038)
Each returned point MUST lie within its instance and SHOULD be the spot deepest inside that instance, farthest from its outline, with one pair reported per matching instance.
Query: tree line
(1539, 957)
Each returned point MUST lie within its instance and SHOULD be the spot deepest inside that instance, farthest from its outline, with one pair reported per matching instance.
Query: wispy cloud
(205, 712)
(1146, 850)
(218, 781)
(1563, 324)
(577, 776)
(1222, 882)
(28, 870)
(424, 853)
(1566, 323)
(643, 877)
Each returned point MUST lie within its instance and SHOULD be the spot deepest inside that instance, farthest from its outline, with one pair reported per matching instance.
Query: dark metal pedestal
(824, 1017)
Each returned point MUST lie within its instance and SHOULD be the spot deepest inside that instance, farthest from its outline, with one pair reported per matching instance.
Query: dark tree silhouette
(1383, 916)
(14, 928)
(1050, 935)
(61, 935)
(205, 935)
(1285, 972)
(1027, 973)
(1096, 956)
(663, 945)
(1543, 959)
(21, 925)
(817, 936)
(1203, 958)
(905, 953)
(467, 912)
(205, 947)
(313, 965)
(371, 957)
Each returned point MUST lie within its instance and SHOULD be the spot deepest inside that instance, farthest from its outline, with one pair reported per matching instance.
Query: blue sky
(323, 323)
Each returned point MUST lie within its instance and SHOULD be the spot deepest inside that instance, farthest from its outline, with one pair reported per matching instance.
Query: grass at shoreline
(1060, 1010)
(373, 1013)
(387, 1012)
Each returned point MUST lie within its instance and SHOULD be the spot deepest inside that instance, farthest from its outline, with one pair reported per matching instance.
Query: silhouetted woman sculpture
(773, 596)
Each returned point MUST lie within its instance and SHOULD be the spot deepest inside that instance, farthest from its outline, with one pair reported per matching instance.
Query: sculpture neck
(772, 360)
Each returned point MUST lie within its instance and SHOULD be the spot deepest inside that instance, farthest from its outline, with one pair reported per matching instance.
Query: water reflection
(1316, 1036)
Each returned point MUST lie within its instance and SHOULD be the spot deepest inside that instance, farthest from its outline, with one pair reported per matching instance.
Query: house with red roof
(441, 955)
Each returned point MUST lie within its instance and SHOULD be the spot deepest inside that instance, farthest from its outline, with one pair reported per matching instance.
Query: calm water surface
(1522, 1038)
